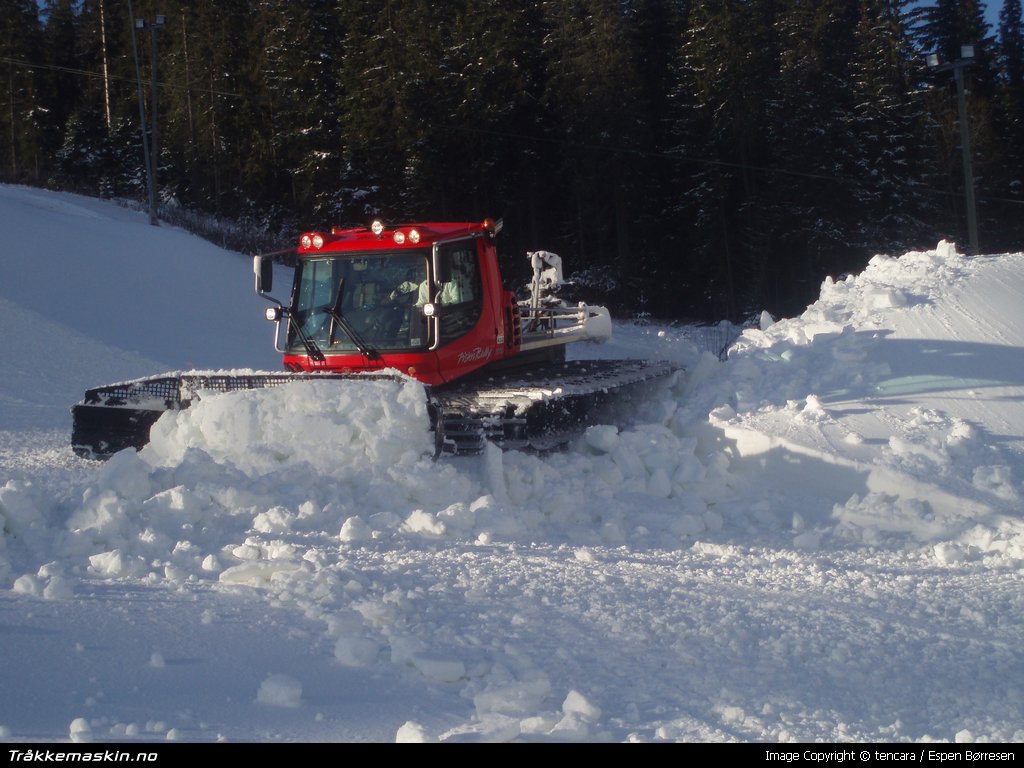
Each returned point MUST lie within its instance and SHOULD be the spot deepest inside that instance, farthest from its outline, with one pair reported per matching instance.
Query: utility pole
(106, 71)
(966, 59)
(157, 25)
(149, 153)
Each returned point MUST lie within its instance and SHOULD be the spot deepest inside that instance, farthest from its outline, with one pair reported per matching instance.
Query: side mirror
(263, 268)
(442, 267)
(444, 270)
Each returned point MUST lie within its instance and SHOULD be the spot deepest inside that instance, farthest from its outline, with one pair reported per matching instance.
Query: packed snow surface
(819, 538)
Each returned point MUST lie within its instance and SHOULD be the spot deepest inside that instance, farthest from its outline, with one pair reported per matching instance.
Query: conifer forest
(690, 159)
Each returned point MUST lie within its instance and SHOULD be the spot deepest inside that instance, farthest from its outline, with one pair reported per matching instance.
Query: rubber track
(539, 409)
(542, 408)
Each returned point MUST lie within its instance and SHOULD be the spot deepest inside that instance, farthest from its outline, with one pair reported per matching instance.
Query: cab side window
(461, 297)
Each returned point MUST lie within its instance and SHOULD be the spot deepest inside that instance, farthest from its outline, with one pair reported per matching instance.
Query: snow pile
(337, 428)
(304, 457)
(853, 394)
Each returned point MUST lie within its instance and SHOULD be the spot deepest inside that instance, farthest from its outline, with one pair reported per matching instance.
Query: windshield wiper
(311, 346)
(337, 318)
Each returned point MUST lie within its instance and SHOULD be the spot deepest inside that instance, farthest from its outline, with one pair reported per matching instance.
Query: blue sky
(992, 14)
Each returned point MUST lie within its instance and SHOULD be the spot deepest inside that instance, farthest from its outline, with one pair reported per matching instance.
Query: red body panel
(493, 337)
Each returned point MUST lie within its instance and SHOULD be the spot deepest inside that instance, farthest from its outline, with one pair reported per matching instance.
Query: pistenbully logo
(480, 353)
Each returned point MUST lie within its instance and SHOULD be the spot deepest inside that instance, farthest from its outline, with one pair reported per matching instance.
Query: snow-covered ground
(820, 539)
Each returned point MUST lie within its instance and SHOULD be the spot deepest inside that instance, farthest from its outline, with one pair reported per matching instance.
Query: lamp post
(957, 67)
(150, 145)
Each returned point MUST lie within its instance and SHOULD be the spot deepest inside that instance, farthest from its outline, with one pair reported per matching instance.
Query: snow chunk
(578, 704)
(578, 715)
(116, 564)
(18, 509)
(28, 584)
(279, 690)
(80, 731)
(412, 733)
(356, 651)
(946, 250)
(584, 555)
(58, 588)
(513, 696)
(813, 410)
(949, 553)
(257, 573)
(601, 437)
(274, 520)
(997, 480)
(423, 522)
(354, 529)
(437, 669)
(881, 298)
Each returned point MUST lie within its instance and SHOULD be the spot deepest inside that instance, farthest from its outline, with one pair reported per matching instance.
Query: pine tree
(95, 155)
(59, 81)
(22, 156)
(720, 100)
(809, 195)
(381, 122)
(304, 100)
(1011, 48)
(591, 97)
(656, 27)
(210, 50)
(487, 159)
(1009, 184)
(892, 173)
(437, 102)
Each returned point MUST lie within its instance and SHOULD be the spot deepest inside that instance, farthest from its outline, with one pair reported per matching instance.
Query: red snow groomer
(420, 300)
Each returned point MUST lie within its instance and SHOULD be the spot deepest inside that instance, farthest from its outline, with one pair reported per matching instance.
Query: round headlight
(399, 237)
(305, 241)
(377, 227)
(414, 235)
(318, 242)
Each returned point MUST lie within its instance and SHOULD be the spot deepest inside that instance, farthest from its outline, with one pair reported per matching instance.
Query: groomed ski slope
(819, 539)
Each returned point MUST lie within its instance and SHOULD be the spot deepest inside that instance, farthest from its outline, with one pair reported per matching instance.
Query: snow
(817, 540)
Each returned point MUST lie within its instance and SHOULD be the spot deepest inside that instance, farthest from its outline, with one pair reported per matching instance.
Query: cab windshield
(346, 304)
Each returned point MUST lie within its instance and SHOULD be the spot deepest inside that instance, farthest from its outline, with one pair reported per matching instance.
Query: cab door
(459, 295)
(463, 340)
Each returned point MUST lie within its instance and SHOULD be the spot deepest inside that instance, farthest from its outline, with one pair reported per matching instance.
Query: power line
(98, 75)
